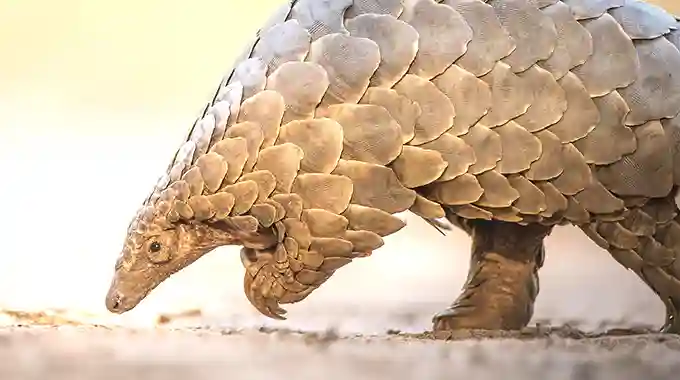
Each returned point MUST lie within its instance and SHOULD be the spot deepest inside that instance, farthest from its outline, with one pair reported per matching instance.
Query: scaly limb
(502, 283)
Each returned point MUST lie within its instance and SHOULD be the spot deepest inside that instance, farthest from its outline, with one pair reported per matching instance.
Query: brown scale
(375, 186)
(369, 133)
(520, 148)
(319, 140)
(586, 9)
(511, 95)
(550, 100)
(302, 85)
(581, 115)
(469, 95)
(401, 108)
(574, 43)
(491, 42)
(648, 171)
(252, 75)
(426, 208)
(397, 40)
(613, 53)
(436, 111)
(549, 165)
(416, 166)
(497, 191)
(285, 41)
(349, 63)
(457, 154)
(443, 37)
(533, 31)
(283, 163)
(487, 148)
(611, 139)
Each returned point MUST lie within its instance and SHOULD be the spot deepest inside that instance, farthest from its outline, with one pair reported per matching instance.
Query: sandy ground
(99, 353)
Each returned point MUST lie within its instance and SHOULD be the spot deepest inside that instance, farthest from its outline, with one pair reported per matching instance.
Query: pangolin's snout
(115, 303)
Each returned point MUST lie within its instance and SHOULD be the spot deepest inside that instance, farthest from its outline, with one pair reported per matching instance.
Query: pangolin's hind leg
(671, 302)
(647, 242)
(502, 283)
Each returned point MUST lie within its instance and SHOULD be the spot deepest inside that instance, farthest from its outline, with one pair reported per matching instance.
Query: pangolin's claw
(672, 324)
(265, 305)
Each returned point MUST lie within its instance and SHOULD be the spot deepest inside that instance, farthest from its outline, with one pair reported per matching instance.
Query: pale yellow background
(95, 96)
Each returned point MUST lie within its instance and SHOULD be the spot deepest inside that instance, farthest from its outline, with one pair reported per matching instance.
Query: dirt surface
(81, 352)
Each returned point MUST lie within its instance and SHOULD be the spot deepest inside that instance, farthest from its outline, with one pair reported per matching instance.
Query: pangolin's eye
(155, 247)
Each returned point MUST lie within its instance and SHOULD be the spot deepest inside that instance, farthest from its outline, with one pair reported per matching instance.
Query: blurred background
(96, 95)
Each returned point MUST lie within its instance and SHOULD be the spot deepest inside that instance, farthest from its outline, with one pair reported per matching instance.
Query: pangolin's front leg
(502, 283)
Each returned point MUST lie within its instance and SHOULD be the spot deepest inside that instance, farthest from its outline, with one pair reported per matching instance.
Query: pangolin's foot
(502, 283)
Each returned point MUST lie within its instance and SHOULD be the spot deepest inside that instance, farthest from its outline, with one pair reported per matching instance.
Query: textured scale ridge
(343, 113)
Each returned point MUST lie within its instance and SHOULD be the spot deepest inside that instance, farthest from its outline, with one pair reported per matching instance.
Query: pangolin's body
(344, 112)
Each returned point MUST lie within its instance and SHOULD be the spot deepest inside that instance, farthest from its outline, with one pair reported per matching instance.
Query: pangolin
(506, 117)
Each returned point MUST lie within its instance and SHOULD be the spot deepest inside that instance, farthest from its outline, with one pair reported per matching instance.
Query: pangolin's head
(149, 258)
(155, 248)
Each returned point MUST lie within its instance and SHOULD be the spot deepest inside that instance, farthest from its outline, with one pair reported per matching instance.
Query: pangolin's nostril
(114, 303)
